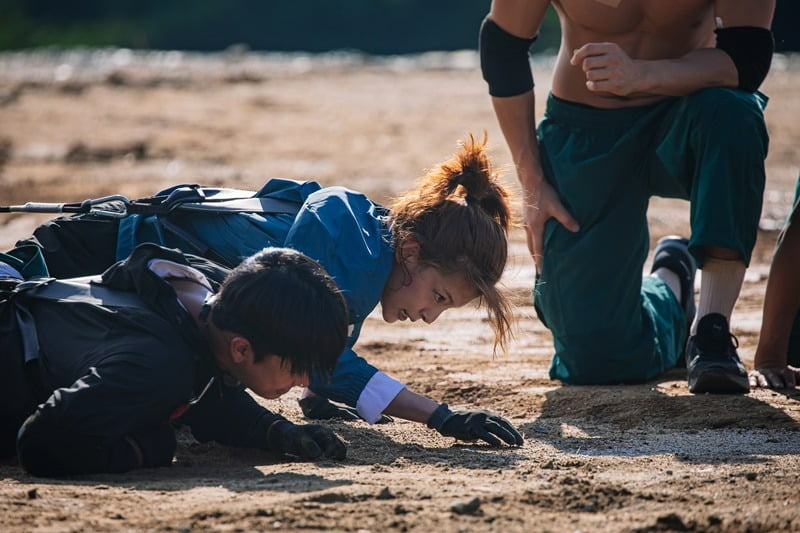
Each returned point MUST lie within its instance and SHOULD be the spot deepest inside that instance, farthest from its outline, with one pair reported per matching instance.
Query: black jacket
(109, 378)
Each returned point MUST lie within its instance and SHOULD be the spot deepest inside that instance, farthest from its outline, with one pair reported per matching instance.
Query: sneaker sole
(718, 383)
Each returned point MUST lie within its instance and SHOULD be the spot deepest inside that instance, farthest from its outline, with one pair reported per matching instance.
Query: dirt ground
(650, 457)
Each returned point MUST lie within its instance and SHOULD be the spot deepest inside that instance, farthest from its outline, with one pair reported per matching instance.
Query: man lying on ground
(94, 375)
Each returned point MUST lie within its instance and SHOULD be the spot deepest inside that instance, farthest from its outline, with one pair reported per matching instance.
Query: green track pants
(609, 323)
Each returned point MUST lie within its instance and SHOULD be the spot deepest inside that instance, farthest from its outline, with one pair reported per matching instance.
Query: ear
(408, 251)
(240, 350)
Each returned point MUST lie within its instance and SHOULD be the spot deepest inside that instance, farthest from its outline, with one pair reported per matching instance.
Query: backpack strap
(204, 199)
(265, 206)
(167, 217)
(69, 290)
(84, 289)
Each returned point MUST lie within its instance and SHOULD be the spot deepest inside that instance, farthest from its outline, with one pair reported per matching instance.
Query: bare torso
(644, 29)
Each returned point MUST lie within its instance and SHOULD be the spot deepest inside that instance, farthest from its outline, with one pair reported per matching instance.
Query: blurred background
(381, 27)
(130, 96)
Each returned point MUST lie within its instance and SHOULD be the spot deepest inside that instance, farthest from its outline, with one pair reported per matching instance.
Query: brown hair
(460, 215)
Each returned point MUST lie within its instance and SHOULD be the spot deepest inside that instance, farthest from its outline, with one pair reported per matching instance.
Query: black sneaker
(672, 253)
(711, 359)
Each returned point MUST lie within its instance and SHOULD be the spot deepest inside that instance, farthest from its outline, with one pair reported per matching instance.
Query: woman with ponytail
(443, 244)
(439, 246)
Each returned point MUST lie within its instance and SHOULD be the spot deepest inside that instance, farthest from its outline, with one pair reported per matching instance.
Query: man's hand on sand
(305, 441)
(777, 377)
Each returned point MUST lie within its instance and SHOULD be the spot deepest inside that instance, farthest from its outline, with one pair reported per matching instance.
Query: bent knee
(37, 449)
(722, 108)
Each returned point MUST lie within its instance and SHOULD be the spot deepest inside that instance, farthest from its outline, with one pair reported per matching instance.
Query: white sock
(671, 279)
(720, 284)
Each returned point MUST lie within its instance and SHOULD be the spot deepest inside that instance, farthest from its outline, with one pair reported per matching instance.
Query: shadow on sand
(659, 417)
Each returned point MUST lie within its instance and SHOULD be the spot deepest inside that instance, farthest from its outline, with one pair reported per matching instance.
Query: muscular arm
(517, 121)
(515, 114)
(609, 68)
(708, 67)
(781, 304)
(700, 69)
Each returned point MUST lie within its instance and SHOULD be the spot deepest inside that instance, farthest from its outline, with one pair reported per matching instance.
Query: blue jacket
(341, 229)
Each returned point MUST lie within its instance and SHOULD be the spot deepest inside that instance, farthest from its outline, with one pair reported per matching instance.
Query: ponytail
(460, 215)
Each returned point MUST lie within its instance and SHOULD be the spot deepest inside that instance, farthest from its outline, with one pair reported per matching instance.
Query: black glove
(306, 441)
(474, 425)
(319, 408)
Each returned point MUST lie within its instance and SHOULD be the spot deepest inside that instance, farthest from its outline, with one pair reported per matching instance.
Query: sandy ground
(650, 457)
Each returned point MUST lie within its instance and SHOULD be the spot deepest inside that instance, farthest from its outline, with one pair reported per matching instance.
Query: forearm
(781, 300)
(717, 67)
(230, 417)
(516, 117)
(411, 406)
(505, 40)
(700, 69)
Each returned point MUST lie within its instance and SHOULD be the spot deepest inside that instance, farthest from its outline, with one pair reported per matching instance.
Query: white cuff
(377, 395)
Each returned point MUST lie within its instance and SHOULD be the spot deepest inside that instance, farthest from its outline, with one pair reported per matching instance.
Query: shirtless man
(648, 98)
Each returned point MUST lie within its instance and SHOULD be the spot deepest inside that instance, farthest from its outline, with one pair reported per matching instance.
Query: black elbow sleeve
(504, 60)
(751, 50)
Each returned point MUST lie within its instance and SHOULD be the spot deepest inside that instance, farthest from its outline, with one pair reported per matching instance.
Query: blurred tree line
(371, 26)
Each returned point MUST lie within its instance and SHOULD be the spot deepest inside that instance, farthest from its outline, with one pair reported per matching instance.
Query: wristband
(439, 416)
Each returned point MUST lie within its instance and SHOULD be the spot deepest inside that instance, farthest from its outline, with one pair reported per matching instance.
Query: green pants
(609, 324)
(27, 260)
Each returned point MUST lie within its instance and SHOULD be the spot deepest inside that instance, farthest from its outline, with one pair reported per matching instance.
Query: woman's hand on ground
(305, 441)
(474, 425)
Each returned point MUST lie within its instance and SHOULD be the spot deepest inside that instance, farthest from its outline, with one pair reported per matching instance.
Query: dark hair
(285, 304)
(460, 215)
